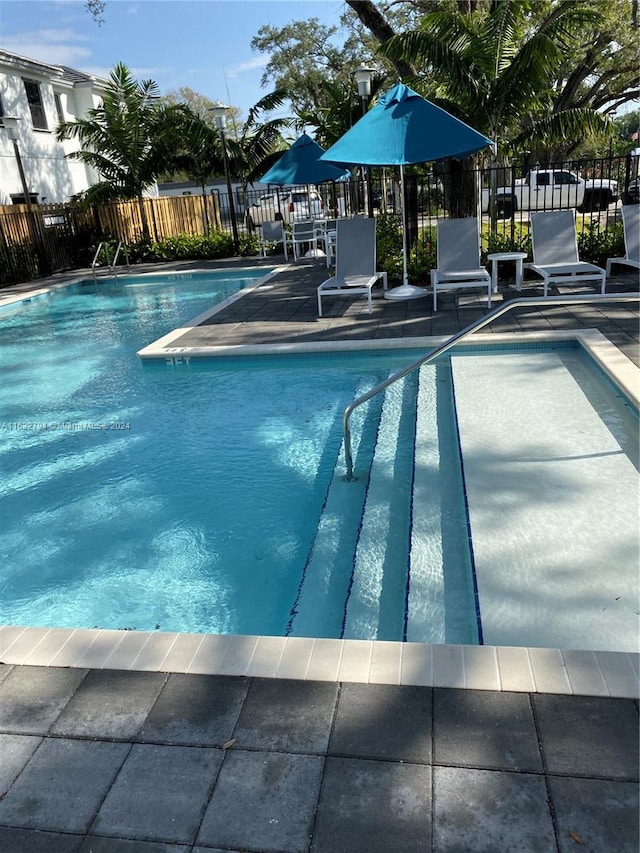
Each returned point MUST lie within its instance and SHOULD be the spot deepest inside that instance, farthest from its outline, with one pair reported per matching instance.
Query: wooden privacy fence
(55, 237)
(167, 217)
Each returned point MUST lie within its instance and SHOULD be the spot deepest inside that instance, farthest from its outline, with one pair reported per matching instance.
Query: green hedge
(594, 245)
(183, 247)
(18, 263)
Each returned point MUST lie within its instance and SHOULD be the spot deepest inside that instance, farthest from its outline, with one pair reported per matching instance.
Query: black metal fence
(504, 197)
(36, 243)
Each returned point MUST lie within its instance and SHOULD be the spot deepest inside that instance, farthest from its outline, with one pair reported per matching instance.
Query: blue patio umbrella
(301, 164)
(404, 128)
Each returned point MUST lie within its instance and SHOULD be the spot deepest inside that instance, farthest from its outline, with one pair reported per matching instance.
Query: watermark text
(63, 426)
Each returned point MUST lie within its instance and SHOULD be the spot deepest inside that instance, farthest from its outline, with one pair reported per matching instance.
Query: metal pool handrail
(461, 335)
(111, 265)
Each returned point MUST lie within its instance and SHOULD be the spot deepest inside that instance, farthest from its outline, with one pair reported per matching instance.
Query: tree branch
(381, 29)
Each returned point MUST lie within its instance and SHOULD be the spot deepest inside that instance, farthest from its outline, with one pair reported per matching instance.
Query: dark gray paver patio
(113, 762)
(318, 766)
(285, 311)
(195, 710)
(478, 729)
(127, 698)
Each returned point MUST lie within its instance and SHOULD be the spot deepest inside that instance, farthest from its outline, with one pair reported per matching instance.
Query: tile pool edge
(614, 363)
(496, 668)
(194, 322)
(27, 295)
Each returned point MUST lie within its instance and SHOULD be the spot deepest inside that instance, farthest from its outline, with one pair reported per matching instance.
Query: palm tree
(126, 139)
(261, 140)
(490, 69)
(197, 144)
(338, 109)
(197, 151)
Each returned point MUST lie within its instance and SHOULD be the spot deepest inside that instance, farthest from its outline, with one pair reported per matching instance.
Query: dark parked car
(632, 193)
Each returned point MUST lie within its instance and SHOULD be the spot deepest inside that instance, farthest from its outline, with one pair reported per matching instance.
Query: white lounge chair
(270, 233)
(631, 226)
(555, 251)
(458, 258)
(356, 271)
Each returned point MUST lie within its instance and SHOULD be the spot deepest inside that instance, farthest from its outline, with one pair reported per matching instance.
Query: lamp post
(363, 76)
(219, 111)
(11, 126)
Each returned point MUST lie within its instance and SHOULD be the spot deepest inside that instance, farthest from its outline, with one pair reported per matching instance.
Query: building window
(1, 112)
(34, 97)
(59, 111)
(18, 198)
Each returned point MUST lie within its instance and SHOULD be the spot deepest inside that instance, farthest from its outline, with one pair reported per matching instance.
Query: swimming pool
(208, 499)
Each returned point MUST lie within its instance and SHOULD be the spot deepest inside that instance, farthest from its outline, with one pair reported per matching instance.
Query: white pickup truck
(551, 189)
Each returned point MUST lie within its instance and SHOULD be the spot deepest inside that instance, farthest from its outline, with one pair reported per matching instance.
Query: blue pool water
(141, 498)
(207, 498)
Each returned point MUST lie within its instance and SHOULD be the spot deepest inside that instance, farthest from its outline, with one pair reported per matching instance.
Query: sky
(202, 44)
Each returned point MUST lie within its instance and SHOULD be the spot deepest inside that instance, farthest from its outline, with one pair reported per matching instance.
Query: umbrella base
(315, 253)
(406, 291)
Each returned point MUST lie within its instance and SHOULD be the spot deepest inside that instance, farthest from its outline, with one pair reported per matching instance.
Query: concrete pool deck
(130, 742)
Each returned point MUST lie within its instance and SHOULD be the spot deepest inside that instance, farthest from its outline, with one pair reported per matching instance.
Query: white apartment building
(40, 96)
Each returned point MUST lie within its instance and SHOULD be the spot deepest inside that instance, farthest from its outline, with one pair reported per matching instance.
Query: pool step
(440, 605)
(329, 567)
(553, 502)
(376, 604)
(376, 567)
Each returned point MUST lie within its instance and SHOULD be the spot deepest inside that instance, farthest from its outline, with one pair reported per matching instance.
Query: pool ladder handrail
(526, 301)
(111, 265)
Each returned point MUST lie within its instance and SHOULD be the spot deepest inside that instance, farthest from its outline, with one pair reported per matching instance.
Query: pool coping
(177, 272)
(614, 363)
(497, 668)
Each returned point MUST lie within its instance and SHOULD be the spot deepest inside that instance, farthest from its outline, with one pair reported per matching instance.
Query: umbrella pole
(313, 251)
(406, 290)
(405, 274)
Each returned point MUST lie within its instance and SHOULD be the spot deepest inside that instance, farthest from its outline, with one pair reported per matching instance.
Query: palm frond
(560, 127)
(272, 101)
(433, 55)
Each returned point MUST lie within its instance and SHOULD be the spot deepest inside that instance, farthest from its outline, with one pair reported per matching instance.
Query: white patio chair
(631, 226)
(555, 251)
(326, 234)
(330, 244)
(270, 233)
(301, 233)
(458, 258)
(356, 271)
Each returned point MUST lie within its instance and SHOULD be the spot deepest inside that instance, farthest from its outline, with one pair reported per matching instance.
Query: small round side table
(495, 259)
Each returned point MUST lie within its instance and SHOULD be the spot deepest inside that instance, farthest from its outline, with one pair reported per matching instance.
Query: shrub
(141, 252)
(182, 247)
(506, 241)
(249, 245)
(595, 245)
(18, 262)
(389, 245)
(108, 250)
(211, 246)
